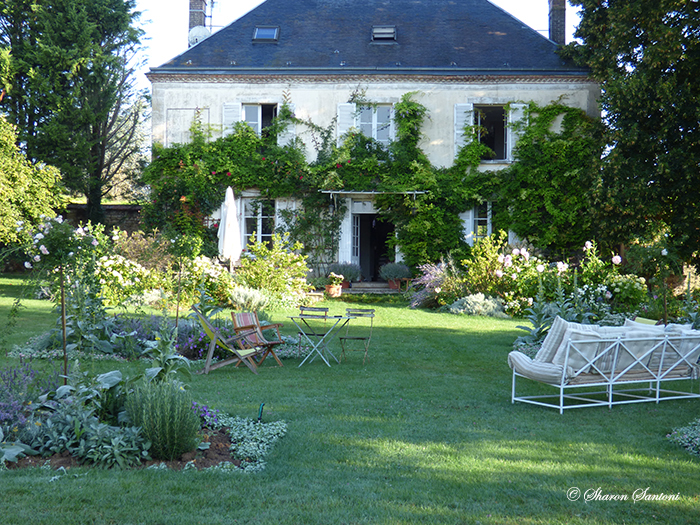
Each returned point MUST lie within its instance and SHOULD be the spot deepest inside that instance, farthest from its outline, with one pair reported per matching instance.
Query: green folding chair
(240, 355)
(357, 331)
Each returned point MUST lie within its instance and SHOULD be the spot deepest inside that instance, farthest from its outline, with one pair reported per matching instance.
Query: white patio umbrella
(229, 232)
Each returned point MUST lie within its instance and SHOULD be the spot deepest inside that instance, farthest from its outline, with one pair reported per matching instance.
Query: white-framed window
(496, 127)
(259, 220)
(259, 116)
(492, 126)
(376, 121)
(477, 222)
(482, 220)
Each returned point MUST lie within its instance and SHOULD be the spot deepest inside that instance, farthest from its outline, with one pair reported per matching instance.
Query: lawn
(423, 433)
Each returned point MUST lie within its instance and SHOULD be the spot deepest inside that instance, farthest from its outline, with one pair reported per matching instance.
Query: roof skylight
(266, 34)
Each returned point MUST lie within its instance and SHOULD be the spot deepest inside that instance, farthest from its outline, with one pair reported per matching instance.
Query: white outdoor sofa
(593, 365)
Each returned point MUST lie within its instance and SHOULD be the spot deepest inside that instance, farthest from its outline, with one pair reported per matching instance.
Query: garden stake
(260, 412)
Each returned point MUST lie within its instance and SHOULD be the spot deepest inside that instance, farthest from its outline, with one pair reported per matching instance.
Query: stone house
(468, 60)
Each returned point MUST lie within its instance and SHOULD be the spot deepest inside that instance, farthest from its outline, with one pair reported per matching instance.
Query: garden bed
(219, 452)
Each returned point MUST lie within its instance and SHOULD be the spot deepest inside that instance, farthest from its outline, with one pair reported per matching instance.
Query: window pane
(250, 115)
(384, 124)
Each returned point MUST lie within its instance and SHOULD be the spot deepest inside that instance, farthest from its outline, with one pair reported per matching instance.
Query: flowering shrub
(121, 279)
(593, 298)
(203, 273)
(280, 271)
(628, 292)
(437, 285)
(334, 279)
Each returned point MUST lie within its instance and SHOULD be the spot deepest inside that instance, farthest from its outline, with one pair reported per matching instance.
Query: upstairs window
(492, 122)
(259, 116)
(384, 34)
(376, 122)
(266, 34)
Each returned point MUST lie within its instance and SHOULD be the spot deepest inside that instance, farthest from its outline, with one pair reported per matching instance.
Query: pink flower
(516, 252)
(540, 268)
(499, 273)
(94, 242)
(27, 265)
(617, 260)
(562, 267)
(525, 254)
(43, 249)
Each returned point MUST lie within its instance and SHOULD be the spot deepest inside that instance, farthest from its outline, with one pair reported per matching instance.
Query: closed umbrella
(229, 232)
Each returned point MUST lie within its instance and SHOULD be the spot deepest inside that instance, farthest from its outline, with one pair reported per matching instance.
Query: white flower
(438, 290)
(43, 249)
(562, 267)
(500, 259)
(27, 264)
(525, 254)
(80, 232)
(94, 242)
(499, 273)
(587, 246)
(38, 236)
(516, 252)
(37, 258)
(59, 219)
(664, 252)
(617, 260)
(540, 268)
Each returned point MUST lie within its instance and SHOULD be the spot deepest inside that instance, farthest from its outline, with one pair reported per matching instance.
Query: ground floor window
(259, 218)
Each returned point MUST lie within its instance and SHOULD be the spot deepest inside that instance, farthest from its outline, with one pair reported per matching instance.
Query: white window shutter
(516, 115)
(231, 114)
(467, 218)
(290, 133)
(464, 116)
(392, 126)
(347, 115)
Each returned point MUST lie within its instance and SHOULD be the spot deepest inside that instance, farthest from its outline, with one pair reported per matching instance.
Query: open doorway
(372, 235)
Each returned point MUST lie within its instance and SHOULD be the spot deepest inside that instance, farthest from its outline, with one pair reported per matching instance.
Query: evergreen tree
(69, 88)
(646, 55)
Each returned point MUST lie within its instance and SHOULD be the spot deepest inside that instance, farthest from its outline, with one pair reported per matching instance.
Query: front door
(370, 235)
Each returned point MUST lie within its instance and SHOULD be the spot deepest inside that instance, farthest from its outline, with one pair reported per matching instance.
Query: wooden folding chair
(248, 324)
(355, 332)
(241, 355)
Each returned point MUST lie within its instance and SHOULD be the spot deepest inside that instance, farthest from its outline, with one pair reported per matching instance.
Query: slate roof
(434, 37)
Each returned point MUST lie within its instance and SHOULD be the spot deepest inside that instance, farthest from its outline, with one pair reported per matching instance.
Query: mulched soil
(218, 452)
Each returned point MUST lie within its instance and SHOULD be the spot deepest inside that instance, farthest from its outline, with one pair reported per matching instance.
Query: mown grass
(423, 433)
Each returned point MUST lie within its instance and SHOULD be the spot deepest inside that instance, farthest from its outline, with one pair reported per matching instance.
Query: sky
(166, 22)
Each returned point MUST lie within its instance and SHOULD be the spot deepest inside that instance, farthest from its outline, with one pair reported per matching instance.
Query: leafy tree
(27, 191)
(646, 55)
(69, 90)
(544, 196)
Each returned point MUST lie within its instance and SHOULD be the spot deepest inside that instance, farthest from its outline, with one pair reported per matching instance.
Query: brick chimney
(197, 13)
(557, 21)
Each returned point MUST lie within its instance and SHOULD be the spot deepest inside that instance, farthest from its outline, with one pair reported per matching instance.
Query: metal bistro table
(324, 335)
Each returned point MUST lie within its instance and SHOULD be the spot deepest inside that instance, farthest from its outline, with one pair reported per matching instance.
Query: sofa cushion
(555, 336)
(586, 345)
(537, 371)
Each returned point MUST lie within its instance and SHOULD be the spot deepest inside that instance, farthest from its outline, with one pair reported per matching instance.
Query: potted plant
(394, 273)
(352, 272)
(334, 286)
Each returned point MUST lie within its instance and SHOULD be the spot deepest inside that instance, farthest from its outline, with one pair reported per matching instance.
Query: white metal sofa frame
(607, 368)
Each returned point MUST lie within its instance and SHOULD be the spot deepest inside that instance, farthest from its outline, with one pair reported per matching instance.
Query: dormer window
(266, 34)
(384, 34)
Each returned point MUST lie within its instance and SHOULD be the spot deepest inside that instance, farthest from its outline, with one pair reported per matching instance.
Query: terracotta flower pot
(334, 290)
(394, 284)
